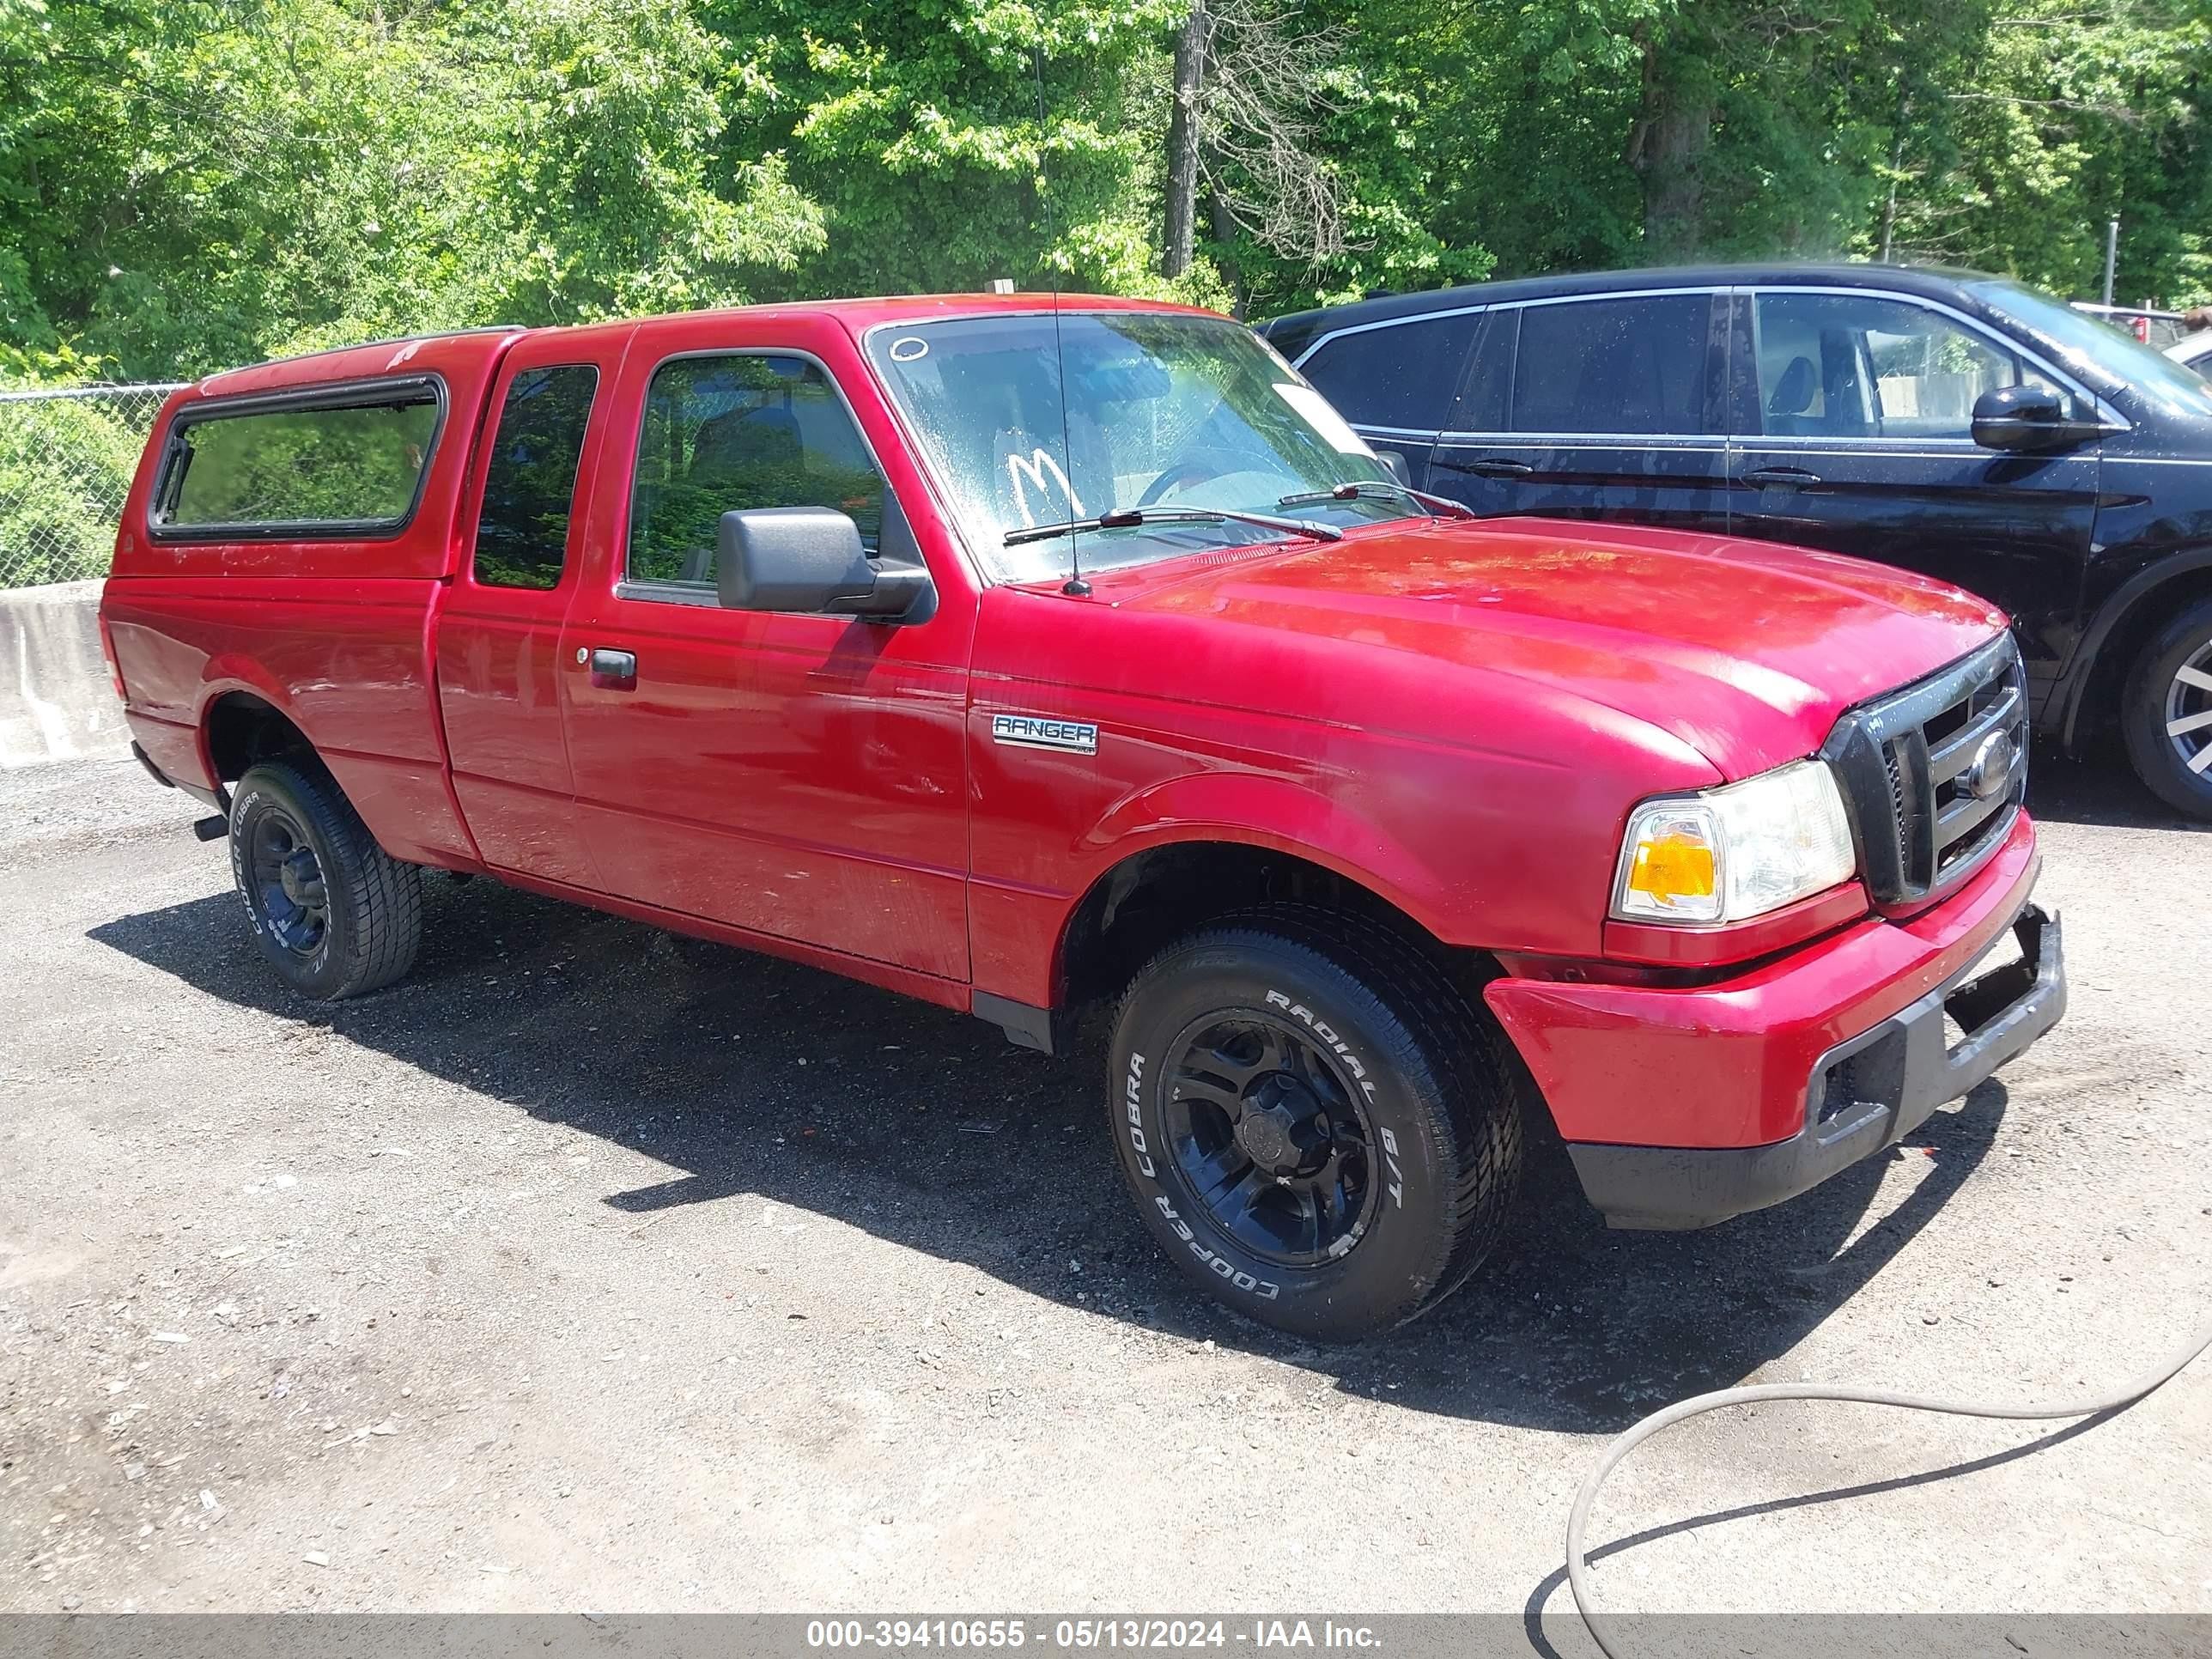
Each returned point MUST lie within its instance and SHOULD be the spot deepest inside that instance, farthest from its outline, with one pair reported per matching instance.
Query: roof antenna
(1074, 586)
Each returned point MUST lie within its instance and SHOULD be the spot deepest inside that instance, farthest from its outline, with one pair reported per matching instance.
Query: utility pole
(2112, 255)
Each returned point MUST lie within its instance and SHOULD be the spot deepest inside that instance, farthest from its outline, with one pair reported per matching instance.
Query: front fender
(1228, 807)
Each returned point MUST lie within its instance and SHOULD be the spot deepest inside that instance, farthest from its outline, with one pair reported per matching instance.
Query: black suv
(1959, 425)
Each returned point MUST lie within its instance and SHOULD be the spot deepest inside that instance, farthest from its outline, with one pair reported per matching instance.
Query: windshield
(2087, 344)
(1026, 425)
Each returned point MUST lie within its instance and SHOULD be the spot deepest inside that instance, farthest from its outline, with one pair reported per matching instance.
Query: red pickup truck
(1038, 658)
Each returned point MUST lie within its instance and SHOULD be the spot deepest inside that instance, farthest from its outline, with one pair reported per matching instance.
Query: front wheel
(1312, 1122)
(334, 913)
(2168, 713)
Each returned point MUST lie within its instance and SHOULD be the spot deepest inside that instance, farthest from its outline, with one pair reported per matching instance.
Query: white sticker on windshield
(1323, 419)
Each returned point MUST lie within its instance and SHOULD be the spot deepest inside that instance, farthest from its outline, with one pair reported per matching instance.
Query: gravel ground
(594, 1268)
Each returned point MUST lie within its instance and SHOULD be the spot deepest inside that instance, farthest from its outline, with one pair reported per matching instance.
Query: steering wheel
(1193, 469)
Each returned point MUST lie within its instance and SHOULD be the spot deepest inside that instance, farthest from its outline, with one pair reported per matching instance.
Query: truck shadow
(928, 1129)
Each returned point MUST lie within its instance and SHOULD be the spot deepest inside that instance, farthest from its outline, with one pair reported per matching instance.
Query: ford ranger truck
(1043, 658)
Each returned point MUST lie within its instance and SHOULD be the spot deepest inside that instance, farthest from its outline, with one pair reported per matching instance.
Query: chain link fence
(66, 459)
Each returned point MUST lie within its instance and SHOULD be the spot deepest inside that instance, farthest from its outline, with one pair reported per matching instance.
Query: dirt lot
(593, 1268)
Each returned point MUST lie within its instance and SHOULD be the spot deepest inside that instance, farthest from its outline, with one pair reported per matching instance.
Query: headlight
(1731, 853)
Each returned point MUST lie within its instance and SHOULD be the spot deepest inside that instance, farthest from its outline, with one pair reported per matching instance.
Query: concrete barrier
(56, 701)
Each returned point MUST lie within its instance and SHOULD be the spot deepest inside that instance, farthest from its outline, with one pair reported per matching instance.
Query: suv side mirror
(2027, 417)
(807, 559)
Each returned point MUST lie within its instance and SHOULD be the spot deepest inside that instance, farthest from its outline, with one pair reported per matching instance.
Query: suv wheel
(2167, 714)
(334, 913)
(1313, 1120)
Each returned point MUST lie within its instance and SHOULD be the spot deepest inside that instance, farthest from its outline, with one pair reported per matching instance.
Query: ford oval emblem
(1991, 770)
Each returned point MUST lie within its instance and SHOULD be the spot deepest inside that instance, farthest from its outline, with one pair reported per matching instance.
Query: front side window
(1031, 419)
(349, 468)
(1400, 376)
(736, 430)
(1862, 366)
(1636, 366)
(529, 482)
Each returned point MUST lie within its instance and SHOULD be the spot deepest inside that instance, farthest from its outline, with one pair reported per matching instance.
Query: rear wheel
(1312, 1121)
(334, 913)
(2168, 713)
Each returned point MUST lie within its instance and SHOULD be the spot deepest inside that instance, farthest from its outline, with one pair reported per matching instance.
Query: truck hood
(1745, 651)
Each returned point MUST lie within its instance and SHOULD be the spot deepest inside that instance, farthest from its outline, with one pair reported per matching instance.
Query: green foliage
(65, 466)
(190, 183)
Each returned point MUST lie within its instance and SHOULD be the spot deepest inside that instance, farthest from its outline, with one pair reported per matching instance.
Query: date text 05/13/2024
(1087, 1634)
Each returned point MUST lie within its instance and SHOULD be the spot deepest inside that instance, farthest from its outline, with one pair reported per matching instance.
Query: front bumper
(1864, 1095)
(1681, 1108)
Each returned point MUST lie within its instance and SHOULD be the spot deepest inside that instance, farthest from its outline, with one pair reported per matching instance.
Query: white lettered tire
(1313, 1120)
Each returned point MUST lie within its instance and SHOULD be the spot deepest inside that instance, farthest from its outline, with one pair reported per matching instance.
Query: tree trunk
(1180, 240)
(1896, 171)
(1225, 233)
(1666, 149)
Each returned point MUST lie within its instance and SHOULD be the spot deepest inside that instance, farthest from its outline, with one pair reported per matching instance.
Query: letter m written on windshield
(1037, 472)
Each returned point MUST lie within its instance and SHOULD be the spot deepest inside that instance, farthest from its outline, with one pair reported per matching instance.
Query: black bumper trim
(1907, 1068)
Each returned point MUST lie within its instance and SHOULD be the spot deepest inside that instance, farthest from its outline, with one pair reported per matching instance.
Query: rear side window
(346, 466)
(529, 483)
(1400, 376)
(745, 429)
(1614, 365)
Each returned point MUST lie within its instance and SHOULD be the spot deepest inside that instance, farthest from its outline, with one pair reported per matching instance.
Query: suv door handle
(1787, 477)
(1492, 468)
(615, 670)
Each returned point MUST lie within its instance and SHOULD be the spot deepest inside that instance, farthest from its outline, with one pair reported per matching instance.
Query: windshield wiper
(1122, 518)
(1353, 492)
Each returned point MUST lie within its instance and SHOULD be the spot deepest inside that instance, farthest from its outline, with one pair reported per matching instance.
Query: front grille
(1934, 774)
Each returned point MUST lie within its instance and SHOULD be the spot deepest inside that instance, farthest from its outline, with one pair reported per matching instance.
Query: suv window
(343, 467)
(740, 430)
(1630, 364)
(1862, 365)
(1400, 376)
(529, 483)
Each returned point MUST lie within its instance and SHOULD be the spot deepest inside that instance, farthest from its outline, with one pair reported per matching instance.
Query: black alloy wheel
(288, 895)
(1272, 1138)
(332, 911)
(1317, 1124)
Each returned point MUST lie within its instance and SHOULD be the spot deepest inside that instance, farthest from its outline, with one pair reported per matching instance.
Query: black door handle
(1788, 477)
(1491, 467)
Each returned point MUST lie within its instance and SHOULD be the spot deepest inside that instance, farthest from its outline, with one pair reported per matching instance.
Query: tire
(294, 839)
(2158, 695)
(1304, 1016)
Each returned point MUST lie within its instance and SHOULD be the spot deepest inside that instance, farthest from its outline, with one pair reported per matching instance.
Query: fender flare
(2074, 684)
(1227, 807)
(226, 675)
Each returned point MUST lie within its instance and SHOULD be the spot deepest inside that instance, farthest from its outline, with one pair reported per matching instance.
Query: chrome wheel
(2189, 711)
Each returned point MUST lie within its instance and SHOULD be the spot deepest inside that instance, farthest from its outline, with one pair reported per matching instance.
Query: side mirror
(2027, 417)
(807, 559)
(1393, 463)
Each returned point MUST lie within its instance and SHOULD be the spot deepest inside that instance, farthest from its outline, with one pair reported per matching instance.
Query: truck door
(798, 776)
(499, 629)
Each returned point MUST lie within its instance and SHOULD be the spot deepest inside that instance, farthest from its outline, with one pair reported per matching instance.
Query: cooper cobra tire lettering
(1251, 1284)
(1133, 1094)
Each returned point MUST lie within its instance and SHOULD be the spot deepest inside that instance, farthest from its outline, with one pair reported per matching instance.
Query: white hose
(1578, 1517)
